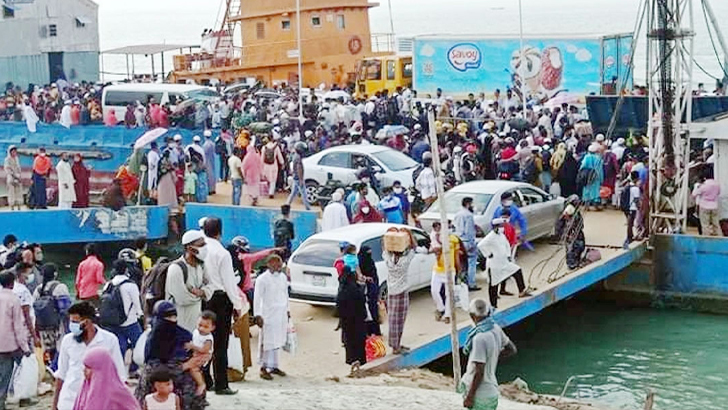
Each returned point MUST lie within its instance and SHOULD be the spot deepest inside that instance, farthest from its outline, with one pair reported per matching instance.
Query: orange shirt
(42, 165)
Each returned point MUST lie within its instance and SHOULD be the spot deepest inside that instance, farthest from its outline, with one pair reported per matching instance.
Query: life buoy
(355, 45)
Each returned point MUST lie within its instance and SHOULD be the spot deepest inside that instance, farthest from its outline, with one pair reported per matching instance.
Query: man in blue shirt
(464, 223)
(420, 146)
(391, 207)
(517, 218)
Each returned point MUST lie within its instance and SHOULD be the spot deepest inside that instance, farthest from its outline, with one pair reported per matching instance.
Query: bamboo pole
(445, 240)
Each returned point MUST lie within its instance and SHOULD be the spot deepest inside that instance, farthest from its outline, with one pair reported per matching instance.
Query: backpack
(154, 284)
(47, 314)
(282, 232)
(269, 157)
(624, 199)
(111, 309)
(530, 173)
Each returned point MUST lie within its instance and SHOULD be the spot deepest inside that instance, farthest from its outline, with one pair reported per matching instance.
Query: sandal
(278, 372)
(265, 375)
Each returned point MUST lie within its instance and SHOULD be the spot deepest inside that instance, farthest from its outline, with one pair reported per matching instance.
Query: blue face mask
(75, 328)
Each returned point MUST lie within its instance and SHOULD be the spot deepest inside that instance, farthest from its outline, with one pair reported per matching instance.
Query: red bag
(375, 348)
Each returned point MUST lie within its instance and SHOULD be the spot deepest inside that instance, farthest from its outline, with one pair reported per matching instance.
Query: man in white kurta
(31, 118)
(66, 189)
(152, 166)
(271, 305)
(66, 119)
(335, 215)
(187, 295)
(496, 248)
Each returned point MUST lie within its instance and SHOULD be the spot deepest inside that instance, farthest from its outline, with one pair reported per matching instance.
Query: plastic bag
(25, 381)
(462, 297)
(375, 348)
(291, 345)
(138, 352)
(555, 189)
(235, 354)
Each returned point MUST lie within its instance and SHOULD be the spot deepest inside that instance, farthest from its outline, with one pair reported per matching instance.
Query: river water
(619, 354)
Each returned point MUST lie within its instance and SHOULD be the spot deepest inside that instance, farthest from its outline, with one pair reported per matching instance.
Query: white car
(314, 279)
(540, 209)
(341, 164)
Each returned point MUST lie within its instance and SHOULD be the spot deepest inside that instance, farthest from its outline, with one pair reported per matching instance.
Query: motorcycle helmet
(242, 243)
(300, 147)
(127, 255)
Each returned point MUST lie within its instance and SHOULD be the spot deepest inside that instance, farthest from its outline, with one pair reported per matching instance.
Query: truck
(548, 66)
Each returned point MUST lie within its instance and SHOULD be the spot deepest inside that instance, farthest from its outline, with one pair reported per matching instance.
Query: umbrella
(149, 137)
(336, 94)
(389, 131)
(560, 99)
(260, 127)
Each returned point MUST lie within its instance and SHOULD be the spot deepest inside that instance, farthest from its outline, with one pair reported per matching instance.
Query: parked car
(540, 209)
(311, 267)
(340, 163)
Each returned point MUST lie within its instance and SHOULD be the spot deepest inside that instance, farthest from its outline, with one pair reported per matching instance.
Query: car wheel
(312, 192)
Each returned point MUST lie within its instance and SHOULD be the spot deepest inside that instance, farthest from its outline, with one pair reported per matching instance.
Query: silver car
(540, 209)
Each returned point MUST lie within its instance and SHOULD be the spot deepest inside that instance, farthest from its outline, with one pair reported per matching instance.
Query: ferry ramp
(320, 352)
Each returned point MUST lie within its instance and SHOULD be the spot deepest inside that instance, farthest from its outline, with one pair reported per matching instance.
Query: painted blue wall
(55, 226)
(255, 223)
(691, 264)
(112, 144)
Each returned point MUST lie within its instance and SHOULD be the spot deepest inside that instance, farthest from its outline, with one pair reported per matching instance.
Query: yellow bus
(376, 74)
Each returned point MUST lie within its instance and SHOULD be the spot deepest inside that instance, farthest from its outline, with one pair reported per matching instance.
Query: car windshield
(453, 202)
(317, 253)
(203, 93)
(394, 160)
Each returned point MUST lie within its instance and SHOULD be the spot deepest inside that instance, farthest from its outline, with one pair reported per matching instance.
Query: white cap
(178, 137)
(593, 147)
(196, 138)
(201, 222)
(600, 137)
(308, 133)
(457, 149)
(192, 236)
(336, 196)
(499, 221)
(620, 141)
(418, 126)
(207, 133)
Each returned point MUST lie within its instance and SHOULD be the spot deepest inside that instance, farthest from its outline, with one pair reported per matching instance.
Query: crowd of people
(257, 144)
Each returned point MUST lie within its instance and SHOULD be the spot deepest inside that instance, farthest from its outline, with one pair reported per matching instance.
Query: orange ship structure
(335, 35)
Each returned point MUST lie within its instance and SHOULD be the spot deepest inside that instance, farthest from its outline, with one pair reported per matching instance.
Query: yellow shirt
(454, 247)
(146, 262)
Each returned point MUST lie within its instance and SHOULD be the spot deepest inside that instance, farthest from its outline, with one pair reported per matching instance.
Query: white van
(117, 97)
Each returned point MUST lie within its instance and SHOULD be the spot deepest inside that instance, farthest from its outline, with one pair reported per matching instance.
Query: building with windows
(334, 36)
(47, 40)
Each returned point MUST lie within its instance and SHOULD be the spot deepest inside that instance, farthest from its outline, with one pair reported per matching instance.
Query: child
(190, 182)
(201, 347)
(163, 397)
(351, 261)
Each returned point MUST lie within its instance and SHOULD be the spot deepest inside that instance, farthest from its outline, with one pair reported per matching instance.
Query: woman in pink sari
(252, 173)
(102, 388)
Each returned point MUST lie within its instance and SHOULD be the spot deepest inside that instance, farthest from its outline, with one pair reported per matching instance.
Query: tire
(312, 192)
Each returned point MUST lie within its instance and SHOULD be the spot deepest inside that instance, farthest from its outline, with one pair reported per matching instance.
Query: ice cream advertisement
(545, 67)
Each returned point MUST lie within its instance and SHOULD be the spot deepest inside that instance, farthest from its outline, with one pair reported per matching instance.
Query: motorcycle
(325, 192)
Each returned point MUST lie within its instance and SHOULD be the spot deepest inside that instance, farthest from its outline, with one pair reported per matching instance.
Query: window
(394, 160)
(391, 69)
(531, 196)
(286, 24)
(8, 12)
(454, 202)
(374, 70)
(335, 159)
(53, 30)
(407, 69)
(375, 245)
(124, 98)
(81, 22)
(318, 253)
(260, 31)
(316, 21)
(421, 239)
(340, 22)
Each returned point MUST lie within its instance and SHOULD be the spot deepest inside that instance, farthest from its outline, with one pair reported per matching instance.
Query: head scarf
(366, 262)
(166, 338)
(49, 272)
(559, 156)
(104, 389)
(486, 324)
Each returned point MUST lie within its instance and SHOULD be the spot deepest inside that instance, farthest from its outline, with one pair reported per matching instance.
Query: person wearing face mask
(517, 218)
(223, 299)
(41, 170)
(272, 314)
(186, 290)
(66, 190)
(401, 193)
(84, 335)
(391, 207)
(366, 213)
(464, 223)
(500, 266)
(22, 272)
